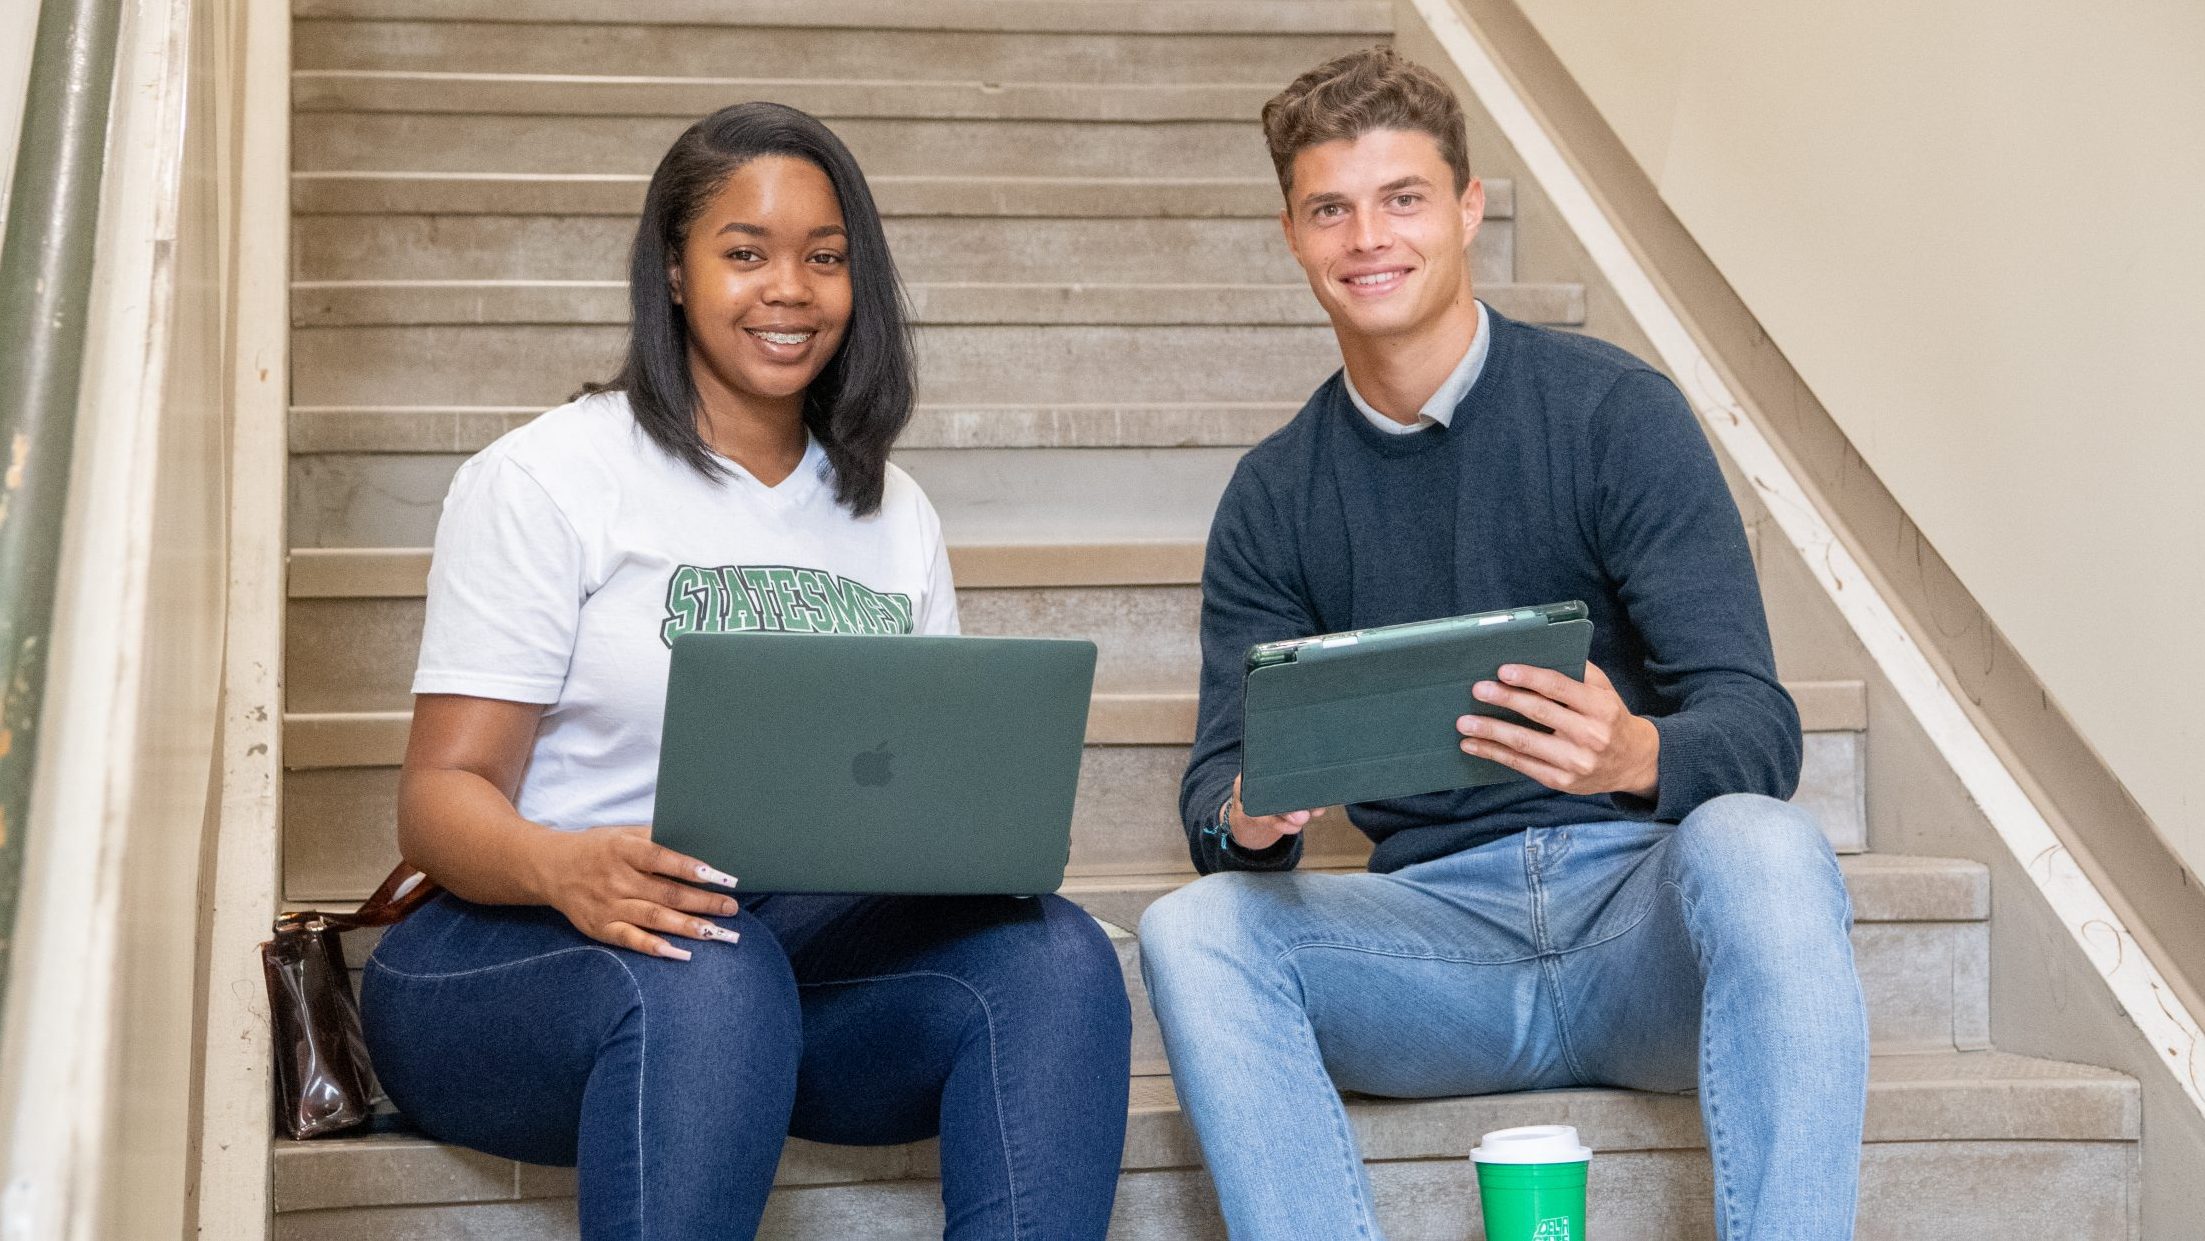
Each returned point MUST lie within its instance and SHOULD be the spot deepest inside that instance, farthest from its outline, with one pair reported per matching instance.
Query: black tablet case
(1376, 719)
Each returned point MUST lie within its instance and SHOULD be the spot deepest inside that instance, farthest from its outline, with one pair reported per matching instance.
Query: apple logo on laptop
(871, 768)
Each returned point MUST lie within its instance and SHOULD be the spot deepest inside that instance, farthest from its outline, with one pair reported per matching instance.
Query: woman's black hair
(862, 398)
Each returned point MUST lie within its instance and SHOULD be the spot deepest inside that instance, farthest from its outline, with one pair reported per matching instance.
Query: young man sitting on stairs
(1645, 910)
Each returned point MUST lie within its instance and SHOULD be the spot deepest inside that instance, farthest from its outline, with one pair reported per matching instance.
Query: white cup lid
(1532, 1144)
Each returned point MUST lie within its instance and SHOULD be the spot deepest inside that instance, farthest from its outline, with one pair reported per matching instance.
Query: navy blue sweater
(1572, 471)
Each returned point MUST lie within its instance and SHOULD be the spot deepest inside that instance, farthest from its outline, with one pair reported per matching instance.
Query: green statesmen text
(776, 599)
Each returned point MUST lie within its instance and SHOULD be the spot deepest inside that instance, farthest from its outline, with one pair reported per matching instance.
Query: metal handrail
(45, 292)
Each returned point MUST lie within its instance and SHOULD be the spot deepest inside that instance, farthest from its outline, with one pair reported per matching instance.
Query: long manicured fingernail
(717, 878)
(678, 954)
(713, 930)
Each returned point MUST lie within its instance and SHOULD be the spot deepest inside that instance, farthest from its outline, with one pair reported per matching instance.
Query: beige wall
(96, 1070)
(175, 799)
(1974, 228)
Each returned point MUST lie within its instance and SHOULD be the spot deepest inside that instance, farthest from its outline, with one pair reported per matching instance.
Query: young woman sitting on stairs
(582, 996)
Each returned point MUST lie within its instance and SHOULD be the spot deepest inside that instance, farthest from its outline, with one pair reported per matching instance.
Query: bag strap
(404, 890)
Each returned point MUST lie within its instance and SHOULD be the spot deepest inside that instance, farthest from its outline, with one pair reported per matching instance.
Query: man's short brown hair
(1363, 91)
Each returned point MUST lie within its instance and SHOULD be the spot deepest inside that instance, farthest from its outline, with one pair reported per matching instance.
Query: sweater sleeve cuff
(1214, 849)
(1680, 772)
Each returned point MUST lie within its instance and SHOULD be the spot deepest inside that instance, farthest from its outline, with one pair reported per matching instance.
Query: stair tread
(1162, 424)
(377, 738)
(403, 572)
(1374, 17)
(543, 94)
(1934, 1097)
(1885, 887)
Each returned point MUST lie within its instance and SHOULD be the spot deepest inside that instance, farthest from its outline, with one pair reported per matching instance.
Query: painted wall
(1973, 227)
(148, 1154)
(97, 1077)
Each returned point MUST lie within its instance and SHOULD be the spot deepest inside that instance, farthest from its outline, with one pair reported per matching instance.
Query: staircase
(1078, 196)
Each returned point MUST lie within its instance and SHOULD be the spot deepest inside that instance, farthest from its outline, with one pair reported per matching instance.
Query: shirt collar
(1441, 407)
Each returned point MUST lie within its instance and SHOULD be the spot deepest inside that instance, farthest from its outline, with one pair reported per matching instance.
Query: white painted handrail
(2136, 983)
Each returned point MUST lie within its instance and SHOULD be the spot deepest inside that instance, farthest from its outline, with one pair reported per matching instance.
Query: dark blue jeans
(999, 1023)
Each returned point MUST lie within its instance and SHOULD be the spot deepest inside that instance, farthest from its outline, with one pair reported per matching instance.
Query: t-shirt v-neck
(808, 476)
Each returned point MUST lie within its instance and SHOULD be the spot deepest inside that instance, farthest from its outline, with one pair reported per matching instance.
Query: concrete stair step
(1886, 888)
(884, 146)
(327, 740)
(469, 429)
(621, 194)
(984, 495)
(408, 303)
(1925, 975)
(359, 654)
(341, 803)
(626, 41)
(346, 728)
(349, 250)
(341, 794)
(1013, 365)
(1960, 1145)
(1155, 17)
(1921, 946)
(353, 628)
(830, 99)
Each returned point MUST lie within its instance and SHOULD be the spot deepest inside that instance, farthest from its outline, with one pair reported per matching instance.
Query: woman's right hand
(617, 887)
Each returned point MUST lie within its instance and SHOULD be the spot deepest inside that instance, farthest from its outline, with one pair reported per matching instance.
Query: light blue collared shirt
(1441, 408)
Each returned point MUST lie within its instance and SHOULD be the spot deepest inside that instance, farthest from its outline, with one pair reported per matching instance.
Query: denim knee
(1764, 865)
(1210, 918)
(1069, 968)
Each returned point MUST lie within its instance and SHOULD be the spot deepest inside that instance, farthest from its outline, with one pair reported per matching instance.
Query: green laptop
(1362, 716)
(900, 764)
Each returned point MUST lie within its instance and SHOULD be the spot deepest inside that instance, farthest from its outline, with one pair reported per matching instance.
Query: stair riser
(433, 142)
(814, 54)
(926, 249)
(587, 303)
(418, 429)
(543, 366)
(985, 495)
(1926, 984)
(1954, 1191)
(1927, 987)
(833, 101)
(339, 833)
(621, 194)
(359, 654)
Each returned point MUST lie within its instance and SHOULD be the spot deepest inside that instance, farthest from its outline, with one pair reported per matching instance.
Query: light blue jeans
(1712, 953)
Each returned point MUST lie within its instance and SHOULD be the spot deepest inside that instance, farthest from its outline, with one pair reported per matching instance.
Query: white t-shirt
(573, 550)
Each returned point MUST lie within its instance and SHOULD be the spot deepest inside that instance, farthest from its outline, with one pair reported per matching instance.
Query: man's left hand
(1597, 745)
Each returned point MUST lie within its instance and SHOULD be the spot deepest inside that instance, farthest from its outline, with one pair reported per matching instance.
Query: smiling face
(1379, 230)
(763, 280)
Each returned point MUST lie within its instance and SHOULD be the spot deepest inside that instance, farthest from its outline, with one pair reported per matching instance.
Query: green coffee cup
(1531, 1183)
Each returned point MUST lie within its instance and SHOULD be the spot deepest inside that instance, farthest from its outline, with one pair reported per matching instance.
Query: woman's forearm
(461, 830)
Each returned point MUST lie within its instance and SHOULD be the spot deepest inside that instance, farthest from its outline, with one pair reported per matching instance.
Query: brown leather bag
(323, 1081)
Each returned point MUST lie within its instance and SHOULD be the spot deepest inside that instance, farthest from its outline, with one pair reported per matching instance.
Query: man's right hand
(618, 888)
(1255, 832)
